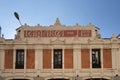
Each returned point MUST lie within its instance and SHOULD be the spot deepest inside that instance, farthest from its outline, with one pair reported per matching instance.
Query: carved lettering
(57, 33)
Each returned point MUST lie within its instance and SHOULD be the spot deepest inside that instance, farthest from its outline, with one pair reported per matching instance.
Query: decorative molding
(57, 41)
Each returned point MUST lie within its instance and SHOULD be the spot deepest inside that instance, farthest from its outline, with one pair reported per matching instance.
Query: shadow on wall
(19, 79)
(58, 79)
(96, 79)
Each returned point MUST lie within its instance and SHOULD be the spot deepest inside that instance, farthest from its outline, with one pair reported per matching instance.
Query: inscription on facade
(57, 33)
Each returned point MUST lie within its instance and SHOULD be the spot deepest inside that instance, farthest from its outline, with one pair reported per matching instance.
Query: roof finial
(57, 22)
(113, 35)
(0, 31)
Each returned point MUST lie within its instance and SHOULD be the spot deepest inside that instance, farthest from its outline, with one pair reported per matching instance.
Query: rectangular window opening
(96, 58)
(57, 59)
(19, 59)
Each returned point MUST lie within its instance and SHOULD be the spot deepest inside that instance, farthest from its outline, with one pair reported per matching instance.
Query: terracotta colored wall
(68, 33)
(68, 58)
(107, 58)
(8, 59)
(30, 59)
(85, 58)
(47, 58)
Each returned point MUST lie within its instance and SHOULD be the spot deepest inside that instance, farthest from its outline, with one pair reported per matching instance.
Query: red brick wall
(68, 58)
(85, 58)
(47, 58)
(107, 58)
(30, 59)
(8, 59)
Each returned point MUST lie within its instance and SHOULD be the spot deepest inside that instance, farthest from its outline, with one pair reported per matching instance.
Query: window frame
(57, 58)
(19, 59)
(96, 58)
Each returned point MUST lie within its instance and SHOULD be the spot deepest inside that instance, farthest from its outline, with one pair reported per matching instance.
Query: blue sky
(104, 14)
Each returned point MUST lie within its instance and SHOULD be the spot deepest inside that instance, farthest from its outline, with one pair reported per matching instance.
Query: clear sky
(104, 14)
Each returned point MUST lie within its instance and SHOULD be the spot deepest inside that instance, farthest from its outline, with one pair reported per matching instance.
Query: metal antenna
(17, 17)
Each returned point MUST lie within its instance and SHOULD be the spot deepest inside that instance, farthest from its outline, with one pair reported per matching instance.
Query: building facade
(59, 52)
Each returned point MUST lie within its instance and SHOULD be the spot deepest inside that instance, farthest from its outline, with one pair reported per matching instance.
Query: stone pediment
(57, 41)
(96, 41)
(19, 41)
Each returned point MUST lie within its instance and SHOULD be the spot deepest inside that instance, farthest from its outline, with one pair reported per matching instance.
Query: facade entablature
(105, 40)
(61, 41)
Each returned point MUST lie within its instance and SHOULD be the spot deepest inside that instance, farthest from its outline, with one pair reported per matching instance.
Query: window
(96, 61)
(57, 58)
(19, 59)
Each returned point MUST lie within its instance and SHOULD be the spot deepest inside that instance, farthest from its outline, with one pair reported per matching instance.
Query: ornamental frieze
(57, 33)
